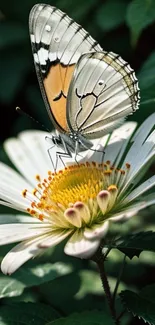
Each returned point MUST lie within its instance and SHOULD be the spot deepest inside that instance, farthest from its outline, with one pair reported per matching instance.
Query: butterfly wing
(103, 91)
(57, 43)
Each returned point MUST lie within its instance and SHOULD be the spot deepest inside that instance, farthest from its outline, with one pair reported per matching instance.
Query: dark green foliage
(140, 14)
(53, 288)
(133, 244)
(141, 304)
(27, 313)
(91, 318)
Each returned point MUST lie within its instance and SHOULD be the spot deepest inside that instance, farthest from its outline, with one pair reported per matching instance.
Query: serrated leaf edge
(134, 315)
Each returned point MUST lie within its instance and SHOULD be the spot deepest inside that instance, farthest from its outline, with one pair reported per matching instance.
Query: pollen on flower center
(76, 183)
(86, 183)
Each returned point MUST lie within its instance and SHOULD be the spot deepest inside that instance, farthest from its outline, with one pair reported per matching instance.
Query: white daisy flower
(78, 201)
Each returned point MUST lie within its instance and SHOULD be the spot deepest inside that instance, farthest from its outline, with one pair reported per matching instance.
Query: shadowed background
(123, 26)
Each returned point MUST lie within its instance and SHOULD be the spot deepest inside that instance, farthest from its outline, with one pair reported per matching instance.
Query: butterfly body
(87, 91)
(72, 141)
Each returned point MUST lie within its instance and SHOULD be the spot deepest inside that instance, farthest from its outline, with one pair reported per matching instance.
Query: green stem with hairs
(100, 261)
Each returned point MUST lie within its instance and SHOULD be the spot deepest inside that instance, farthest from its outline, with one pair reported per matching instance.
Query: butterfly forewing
(57, 43)
(103, 91)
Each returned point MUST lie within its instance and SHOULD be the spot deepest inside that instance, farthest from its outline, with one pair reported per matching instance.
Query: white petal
(12, 178)
(97, 232)
(79, 246)
(11, 233)
(129, 212)
(147, 185)
(12, 218)
(35, 142)
(17, 201)
(21, 159)
(28, 154)
(96, 153)
(149, 199)
(143, 152)
(142, 149)
(11, 187)
(56, 238)
(137, 172)
(20, 254)
(118, 142)
(111, 148)
(144, 130)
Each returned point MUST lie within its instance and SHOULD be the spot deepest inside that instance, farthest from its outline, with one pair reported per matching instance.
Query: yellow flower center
(88, 190)
(76, 183)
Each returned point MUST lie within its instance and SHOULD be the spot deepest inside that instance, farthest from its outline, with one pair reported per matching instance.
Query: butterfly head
(71, 142)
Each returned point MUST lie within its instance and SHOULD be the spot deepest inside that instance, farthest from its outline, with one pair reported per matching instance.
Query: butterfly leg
(58, 142)
(99, 151)
(49, 150)
(58, 156)
(76, 151)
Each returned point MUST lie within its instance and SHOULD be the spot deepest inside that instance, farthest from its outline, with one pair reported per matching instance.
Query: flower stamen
(76, 196)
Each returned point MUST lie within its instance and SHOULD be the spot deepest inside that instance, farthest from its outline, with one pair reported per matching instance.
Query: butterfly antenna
(23, 113)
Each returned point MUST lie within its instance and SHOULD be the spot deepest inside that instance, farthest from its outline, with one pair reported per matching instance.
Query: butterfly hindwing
(103, 91)
(57, 44)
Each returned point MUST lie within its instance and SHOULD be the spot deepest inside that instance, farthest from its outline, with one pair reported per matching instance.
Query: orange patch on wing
(56, 83)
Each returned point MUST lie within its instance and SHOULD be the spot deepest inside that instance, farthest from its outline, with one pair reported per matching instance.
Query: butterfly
(87, 91)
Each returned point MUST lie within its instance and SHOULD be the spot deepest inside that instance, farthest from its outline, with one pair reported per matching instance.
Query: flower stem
(99, 259)
(119, 278)
(121, 314)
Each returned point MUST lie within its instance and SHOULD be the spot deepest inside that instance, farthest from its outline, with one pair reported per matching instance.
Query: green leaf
(111, 14)
(87, 278)
(141, 304)
(28, 277)
(147, 73)
(147, 87)
(10, 287)
(133, 245)
(86, 318)
(68, 285)
(140, 14)
(27, 314)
